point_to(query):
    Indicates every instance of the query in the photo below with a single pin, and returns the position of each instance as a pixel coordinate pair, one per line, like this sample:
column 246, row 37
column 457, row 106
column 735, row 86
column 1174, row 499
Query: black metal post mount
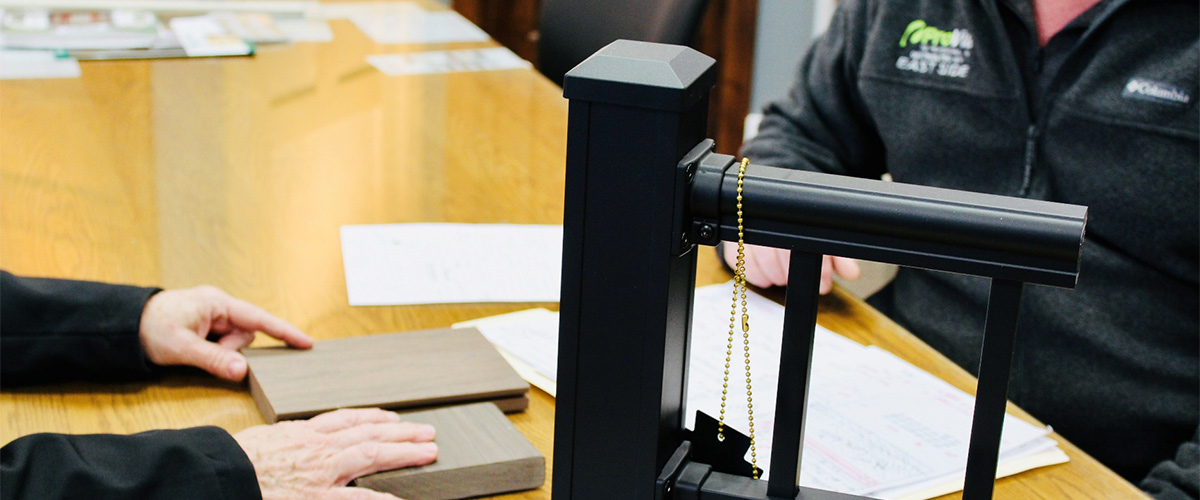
column 644, row 187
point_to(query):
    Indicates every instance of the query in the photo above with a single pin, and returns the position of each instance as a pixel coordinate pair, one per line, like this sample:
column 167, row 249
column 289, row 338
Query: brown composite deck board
column 424, row 368
column 479, row 453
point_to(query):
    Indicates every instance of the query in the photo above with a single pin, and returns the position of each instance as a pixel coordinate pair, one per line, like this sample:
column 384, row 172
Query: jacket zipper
column 1031, row 140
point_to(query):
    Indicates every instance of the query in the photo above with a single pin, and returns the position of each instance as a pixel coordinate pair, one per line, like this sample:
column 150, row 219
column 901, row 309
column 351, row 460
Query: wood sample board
column 418, row 369
column 479, row 453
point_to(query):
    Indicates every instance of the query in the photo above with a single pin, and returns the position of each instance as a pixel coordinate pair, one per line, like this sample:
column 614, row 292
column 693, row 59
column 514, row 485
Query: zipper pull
column 1031, row 139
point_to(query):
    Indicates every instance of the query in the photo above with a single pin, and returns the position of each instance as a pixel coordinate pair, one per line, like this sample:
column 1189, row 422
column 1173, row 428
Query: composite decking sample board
column 424, row 368
column 479, row 453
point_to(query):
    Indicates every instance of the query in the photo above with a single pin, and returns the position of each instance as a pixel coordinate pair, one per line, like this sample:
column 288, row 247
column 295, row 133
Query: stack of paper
column 96, row 29
column 133, row 34
column 876, row 425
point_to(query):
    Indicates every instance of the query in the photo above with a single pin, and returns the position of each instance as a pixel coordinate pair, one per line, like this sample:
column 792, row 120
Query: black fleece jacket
column 75, row 330
column 957, row 94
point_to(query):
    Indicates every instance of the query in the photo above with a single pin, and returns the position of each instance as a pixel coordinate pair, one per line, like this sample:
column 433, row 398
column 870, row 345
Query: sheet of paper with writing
column 396, row 370
column 877, row 425
column 479, row 453
column 528, row 333
column 399, row 264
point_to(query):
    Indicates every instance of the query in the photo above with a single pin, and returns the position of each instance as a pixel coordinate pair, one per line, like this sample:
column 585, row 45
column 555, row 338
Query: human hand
column 315, row 459
column 176, row 325
column 768, row 266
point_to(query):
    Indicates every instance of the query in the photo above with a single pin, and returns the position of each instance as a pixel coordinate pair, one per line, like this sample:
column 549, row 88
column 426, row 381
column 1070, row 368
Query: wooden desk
column 239, row 172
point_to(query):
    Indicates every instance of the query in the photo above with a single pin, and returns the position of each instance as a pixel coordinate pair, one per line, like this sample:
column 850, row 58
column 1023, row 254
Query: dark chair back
column 572, row 30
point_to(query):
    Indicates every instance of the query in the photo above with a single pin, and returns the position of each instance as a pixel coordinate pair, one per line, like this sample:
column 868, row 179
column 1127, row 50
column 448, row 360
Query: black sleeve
column 1177, row 479
column 199, row 463
column 53, row 330
column 823, row 123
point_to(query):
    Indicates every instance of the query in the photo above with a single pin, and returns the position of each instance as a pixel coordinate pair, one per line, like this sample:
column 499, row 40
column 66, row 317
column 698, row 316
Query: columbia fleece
column 952, row 94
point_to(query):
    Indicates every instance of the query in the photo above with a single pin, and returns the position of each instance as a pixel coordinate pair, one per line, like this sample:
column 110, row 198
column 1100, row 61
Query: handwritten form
column 404, row 264
column 877, row 426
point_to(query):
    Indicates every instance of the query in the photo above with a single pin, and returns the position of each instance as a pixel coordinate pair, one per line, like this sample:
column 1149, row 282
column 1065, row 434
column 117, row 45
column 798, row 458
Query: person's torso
column 1117, row 131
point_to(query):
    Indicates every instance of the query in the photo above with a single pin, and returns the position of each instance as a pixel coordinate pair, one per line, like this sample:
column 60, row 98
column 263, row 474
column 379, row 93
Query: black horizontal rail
column 1025, row 240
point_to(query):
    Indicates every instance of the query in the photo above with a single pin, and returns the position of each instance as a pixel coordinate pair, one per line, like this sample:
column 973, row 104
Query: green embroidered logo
column 933, row 51
column 920, row 33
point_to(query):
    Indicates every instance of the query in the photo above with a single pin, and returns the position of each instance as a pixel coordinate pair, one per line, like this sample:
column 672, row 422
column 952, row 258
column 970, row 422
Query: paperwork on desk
column 118, row 33
column 25, row 64
column 401, row 264
column 208, row 36
column 877, row 425
column 447, row 61
column 305, row 30
column 347, row 10
column 528, row 340
column 408, row 23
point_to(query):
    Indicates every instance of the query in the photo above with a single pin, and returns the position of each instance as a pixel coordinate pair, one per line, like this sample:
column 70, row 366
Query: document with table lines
column 877, row 425
column 403, row 264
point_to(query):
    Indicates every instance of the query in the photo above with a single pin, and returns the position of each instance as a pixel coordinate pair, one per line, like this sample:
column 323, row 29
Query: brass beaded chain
column 739, row 288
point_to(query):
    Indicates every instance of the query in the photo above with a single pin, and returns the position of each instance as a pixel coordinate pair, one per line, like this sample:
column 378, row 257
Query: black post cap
column 642, row 74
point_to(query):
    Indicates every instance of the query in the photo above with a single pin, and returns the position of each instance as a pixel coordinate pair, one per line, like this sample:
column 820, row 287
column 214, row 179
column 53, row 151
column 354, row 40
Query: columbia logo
column 1138, row 88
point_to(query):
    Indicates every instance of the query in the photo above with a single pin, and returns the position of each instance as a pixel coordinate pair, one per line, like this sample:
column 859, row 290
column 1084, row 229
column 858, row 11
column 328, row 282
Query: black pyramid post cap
column 642, row 74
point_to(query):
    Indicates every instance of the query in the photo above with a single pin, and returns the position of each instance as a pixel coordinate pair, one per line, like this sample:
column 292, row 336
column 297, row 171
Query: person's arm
column 52, row 330
column 821, row 125
column 300, row 460
column 200, row 463
column 1177, row 479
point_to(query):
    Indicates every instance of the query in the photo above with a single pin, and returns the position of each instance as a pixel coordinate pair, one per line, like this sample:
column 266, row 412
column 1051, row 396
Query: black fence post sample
column 636, row 108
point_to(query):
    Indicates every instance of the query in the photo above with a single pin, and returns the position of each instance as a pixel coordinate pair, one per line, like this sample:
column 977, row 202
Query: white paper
column 528, row 332
column 273, row 7
column 305, row 30
column 399, row 264
column 106, row 29
column 419, row 26
column 346, row 10
column 27, row 64
column 447, row 61
column 876, row 425
column 203, row 36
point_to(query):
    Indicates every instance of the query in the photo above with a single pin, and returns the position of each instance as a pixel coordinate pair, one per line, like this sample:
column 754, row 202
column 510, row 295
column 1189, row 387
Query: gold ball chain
column 739, row 288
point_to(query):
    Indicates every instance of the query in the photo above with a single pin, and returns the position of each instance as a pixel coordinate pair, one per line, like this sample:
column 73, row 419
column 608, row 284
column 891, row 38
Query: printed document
column 876, row 425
